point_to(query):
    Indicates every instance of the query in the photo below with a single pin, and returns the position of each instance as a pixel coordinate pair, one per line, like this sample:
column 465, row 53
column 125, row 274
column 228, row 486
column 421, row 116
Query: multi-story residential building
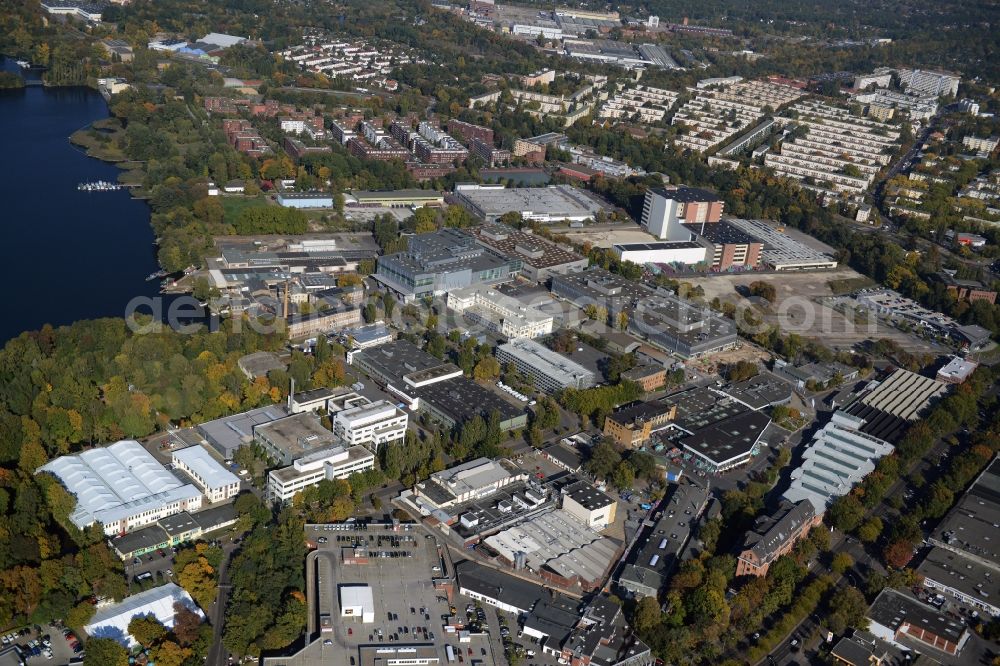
column 632, row 426
column 775, row 535
column 839, row 151
column 718, row 113
column 488, row 153
column 665, row 209
column 214, row 480
column 982, row 145
column 438, row 262
column 935, row 83
column 468, row 131
column 880, row 78
column 882, row 104
column 538, row 258
column 641, row 103
column 244, row 137
column 337, row 462
column 500, row 313
column 550, row 371
column 371, row 424
column 342, row 132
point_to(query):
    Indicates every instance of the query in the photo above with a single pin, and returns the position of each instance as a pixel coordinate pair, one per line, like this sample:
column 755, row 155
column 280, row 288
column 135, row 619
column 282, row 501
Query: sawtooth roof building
column 122, row 486
column 539, row 257
column 839, row 456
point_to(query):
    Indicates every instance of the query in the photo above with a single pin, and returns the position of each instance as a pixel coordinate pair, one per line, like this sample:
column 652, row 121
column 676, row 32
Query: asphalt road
column 217, row 654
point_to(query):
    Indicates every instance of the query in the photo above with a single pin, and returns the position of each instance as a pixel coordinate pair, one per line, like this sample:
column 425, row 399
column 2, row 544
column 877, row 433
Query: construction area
column 804, row 305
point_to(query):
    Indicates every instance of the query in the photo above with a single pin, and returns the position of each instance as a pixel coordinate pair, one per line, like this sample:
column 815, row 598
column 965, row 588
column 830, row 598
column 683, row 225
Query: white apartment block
column 835, row 142
column 215, row 481
column 500, row 313
column 714, row 116
column 916, row 106
column 649, row 104
column 880, row 78
column 355, row 60
column 934, row 83
column 292, row 125
column 373, row 425
column 980, row 144
column 334, row 463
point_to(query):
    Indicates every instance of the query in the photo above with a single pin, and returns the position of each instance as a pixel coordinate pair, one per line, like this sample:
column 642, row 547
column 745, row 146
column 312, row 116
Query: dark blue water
column 64, row 255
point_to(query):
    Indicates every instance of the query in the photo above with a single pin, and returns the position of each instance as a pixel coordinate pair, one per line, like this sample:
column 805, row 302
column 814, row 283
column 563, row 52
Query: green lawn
column 234, row 205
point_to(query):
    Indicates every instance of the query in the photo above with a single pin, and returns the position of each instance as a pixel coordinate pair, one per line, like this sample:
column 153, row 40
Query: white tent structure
column 112, row 621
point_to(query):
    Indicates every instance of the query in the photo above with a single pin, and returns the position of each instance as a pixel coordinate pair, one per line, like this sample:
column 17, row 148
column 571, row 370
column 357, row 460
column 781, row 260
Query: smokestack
column 284, row 310
column 291, row 392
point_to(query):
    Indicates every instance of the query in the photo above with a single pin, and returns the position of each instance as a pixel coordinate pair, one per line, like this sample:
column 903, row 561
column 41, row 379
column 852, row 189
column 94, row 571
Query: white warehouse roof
column 199, row 461
column 108, row 481
column 158, row 602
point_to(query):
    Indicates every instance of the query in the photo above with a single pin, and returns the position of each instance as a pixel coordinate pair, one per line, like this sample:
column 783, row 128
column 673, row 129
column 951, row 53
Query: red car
column 350, row 632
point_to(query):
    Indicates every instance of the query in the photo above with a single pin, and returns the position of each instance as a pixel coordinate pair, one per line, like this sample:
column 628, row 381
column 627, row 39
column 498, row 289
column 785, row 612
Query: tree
column 169, row 653
column 486, row 369
column 898, row 553
column 870, row 531
column 604, row 459
column 647, row 615
column 764, row 290
column 105, row 652
column 841, row 562
column 848, row 608
column 147, row 631
column 623, row 476
column 846, row 512
column 187, row 624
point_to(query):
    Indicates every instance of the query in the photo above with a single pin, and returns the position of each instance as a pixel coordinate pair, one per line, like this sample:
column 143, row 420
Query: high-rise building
column 665, row 209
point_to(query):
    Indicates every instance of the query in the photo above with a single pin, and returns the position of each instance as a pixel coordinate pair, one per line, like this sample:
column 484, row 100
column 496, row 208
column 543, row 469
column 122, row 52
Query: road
column 217, row 654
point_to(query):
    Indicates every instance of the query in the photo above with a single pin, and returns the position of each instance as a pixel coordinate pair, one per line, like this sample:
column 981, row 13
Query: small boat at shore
column 156, row 276
column 23, row 64
column 99, row 186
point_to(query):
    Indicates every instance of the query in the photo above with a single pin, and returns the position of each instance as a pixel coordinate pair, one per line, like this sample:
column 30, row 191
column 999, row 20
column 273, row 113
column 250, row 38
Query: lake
column 65, row 255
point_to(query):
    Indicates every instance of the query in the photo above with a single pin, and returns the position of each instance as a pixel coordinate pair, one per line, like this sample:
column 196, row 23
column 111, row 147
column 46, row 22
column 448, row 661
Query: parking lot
column 398, row 566
column 48, row 646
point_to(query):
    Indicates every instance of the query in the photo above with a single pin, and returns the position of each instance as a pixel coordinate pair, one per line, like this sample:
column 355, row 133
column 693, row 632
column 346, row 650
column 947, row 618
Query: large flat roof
column 297, row 435
column 529, row 248
column 893, row 608
column 199, row 461
column 554, row 202
column 730, row 439
column 462, row 399
column 495, row 584
column 549, row 363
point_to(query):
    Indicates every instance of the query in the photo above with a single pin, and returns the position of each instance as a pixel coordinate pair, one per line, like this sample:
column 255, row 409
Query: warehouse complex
column 122, row 487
